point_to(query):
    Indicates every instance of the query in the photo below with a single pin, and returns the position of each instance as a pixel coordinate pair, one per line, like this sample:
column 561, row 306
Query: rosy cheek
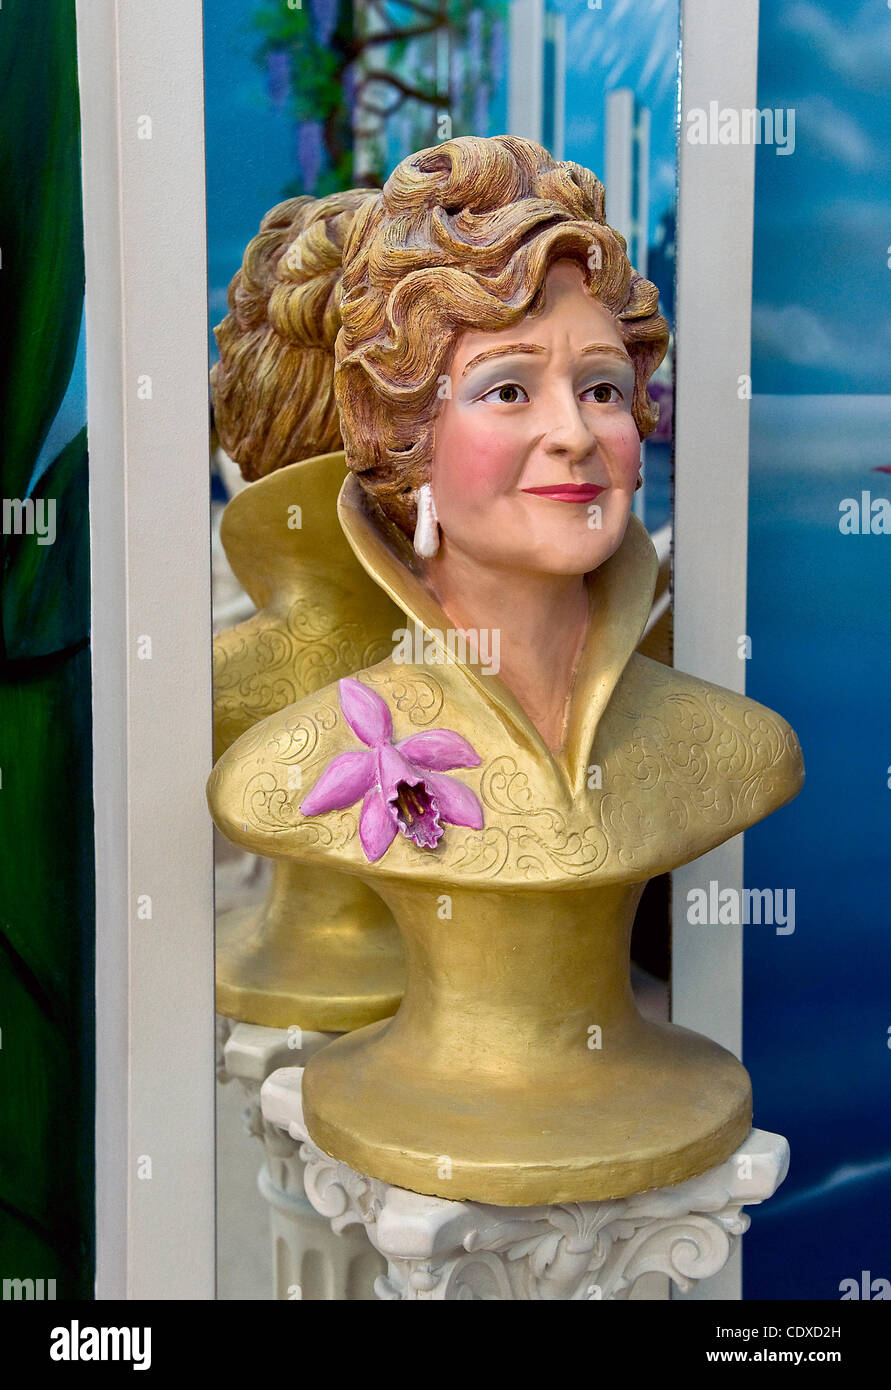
column 625, row 451
column 473, row 460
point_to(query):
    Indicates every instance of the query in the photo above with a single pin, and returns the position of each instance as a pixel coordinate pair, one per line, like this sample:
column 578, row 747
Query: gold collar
column 265, row 546
column 620, row 600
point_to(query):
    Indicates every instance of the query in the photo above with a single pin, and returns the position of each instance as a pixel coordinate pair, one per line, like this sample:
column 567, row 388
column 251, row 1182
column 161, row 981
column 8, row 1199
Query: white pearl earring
column 426, row 540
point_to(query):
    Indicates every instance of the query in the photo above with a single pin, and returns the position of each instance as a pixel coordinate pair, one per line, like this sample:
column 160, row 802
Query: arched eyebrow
column 592, row 349
column 606, row 350
column 506, row 351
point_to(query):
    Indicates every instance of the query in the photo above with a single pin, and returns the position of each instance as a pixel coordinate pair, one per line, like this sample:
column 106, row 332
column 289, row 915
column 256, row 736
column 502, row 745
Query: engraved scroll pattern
column 544, row 833
column 272, row 807
column 271, row 804
column 263, row 665
column 679, row 773
column 697, row 765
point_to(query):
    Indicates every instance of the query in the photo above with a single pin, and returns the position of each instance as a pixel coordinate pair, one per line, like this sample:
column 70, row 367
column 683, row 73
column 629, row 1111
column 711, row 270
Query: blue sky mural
column 627, row 43
column 822, row 231
column 816, row 1002
column 250, row 143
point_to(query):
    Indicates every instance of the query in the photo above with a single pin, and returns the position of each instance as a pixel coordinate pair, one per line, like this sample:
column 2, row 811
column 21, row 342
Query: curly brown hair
column 462, row 236
column 273, row 388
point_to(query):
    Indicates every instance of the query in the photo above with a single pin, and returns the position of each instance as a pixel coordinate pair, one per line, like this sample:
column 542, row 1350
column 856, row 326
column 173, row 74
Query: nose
column 569, row 435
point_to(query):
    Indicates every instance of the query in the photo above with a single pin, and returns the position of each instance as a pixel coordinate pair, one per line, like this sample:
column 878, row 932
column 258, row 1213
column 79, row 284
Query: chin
column 577, row 550
column 572, row 560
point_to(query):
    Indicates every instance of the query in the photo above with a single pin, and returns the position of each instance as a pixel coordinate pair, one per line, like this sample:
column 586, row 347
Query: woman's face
column 536, row 453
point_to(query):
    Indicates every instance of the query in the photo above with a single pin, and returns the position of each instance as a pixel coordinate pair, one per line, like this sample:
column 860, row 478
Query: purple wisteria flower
column 402, row 784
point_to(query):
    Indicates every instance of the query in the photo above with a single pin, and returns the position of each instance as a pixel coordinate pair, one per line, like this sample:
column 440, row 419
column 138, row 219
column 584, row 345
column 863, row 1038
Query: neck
column 541, row 620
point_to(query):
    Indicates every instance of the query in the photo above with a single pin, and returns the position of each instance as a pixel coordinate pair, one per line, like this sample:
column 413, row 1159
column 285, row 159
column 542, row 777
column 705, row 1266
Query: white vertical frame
column 642, row 219
column 557, row 27
column 144, row 210
column 626, row 157
column 716, row 191
column 525, row 89
column 618, row 157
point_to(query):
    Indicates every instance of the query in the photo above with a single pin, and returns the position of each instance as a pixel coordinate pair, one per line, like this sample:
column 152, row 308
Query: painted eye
column 603, row 393
column 509, row 394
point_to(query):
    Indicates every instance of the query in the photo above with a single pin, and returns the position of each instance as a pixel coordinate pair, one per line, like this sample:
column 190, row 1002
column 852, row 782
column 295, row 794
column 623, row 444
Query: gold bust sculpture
column 492, row 371
column 322, row 951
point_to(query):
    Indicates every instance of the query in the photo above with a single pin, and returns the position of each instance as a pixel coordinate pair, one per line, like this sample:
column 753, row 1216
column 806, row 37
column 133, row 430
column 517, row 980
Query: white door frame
column 142, row 105
column 713, row 297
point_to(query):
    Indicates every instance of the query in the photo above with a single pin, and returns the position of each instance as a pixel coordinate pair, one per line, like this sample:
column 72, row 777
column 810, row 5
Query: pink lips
column 568, row 492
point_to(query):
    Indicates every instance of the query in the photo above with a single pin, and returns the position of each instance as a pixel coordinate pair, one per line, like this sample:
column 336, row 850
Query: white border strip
column 719, row 62
column 525, row 81
column 96, row 62
column 149, row 500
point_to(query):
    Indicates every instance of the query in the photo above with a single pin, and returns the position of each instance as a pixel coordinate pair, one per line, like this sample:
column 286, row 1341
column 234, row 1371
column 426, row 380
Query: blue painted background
column 817, row 1006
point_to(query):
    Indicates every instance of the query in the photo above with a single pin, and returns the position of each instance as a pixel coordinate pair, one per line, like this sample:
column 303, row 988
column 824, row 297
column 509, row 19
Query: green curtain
column 46, row 813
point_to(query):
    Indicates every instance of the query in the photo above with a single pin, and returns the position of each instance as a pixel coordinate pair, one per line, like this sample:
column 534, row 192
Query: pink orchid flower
column 401, row 784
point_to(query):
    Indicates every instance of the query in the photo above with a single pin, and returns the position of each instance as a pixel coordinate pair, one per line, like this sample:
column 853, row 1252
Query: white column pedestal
column 311, row 1259
column 577, row 1251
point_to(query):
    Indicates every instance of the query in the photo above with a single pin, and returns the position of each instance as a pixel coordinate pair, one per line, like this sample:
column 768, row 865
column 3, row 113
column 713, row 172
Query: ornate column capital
column 576, row 1251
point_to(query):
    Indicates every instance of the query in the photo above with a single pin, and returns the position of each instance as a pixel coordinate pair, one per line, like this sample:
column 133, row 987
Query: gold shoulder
column 254, row 674
column 311, row 637
column 256, row 788
column 728, row 760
